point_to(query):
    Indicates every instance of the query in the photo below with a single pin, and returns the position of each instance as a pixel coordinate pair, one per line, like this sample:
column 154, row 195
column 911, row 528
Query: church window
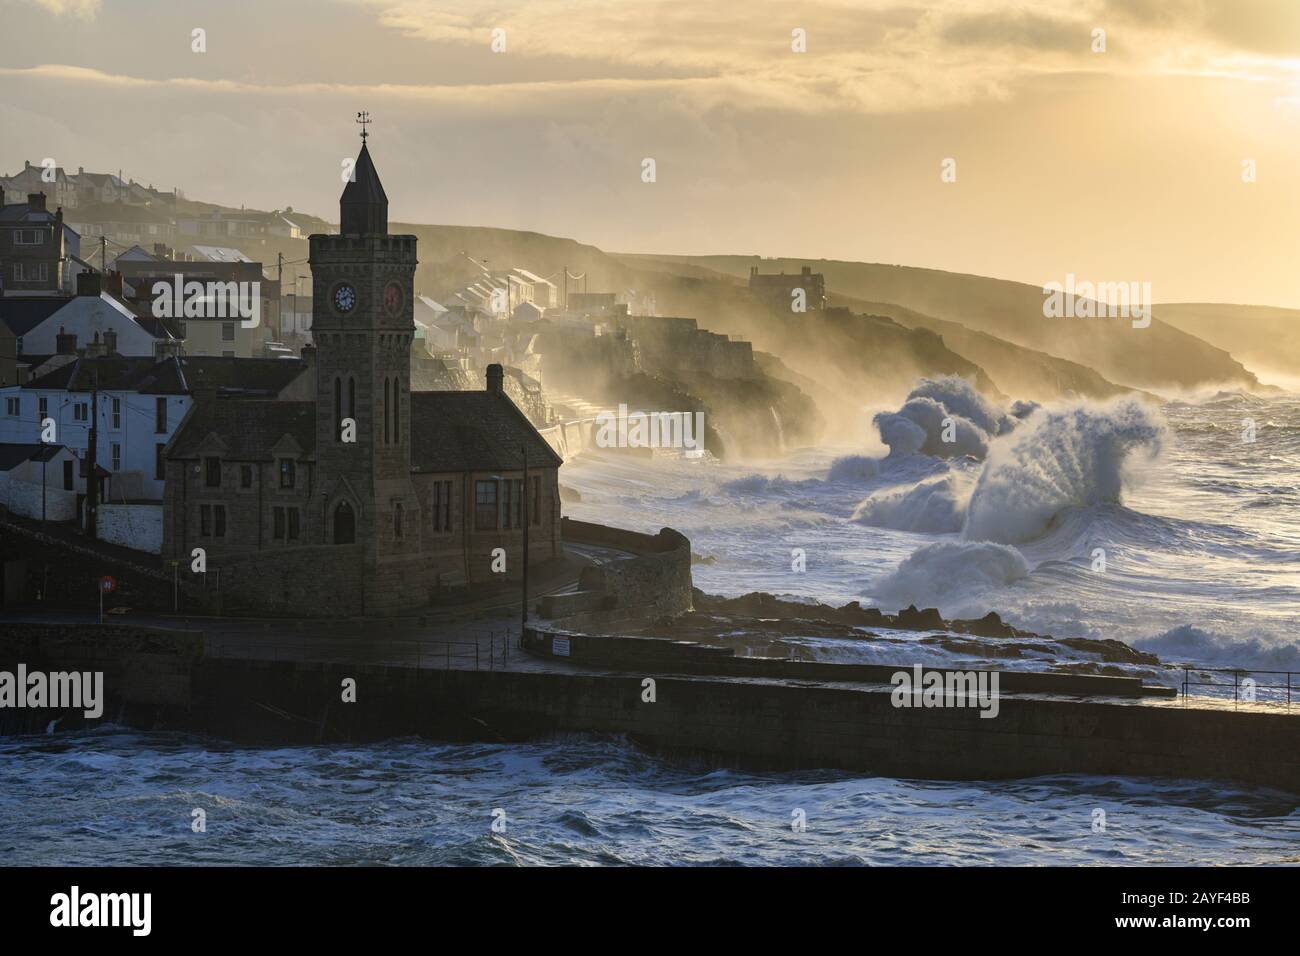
column 345, row 524
column 485, row 505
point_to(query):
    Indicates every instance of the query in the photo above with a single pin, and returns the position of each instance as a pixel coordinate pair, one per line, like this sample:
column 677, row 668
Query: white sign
column 560, row 646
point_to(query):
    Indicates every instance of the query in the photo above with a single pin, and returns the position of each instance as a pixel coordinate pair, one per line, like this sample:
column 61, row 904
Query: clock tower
column 362, row 327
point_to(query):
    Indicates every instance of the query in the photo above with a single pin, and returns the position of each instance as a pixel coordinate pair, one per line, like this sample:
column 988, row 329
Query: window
column 535, row 515
column 397, row 521
column 42, row 408
column 29, row 237
column 519, row 502
column 338, row 410
column 13, row 407
column 397, row 413
column 485, row 505
column 117, row 457
column 205, row 521
column 387, row 427
column 160, row 415
column 80, row 412
column 345, row 524
column 278, row 524
column 245, row 476
column 67, row 476
column 31, row 271
column 440, row 505
column 159, row 462
column 294, row 526
column 288, row 473
column 219, row 514
column 506, row 487
column 227, row 331
column 117, row 414
column 212, row 472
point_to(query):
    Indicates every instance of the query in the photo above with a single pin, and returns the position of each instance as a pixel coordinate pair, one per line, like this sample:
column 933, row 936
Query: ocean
column 1199, row 542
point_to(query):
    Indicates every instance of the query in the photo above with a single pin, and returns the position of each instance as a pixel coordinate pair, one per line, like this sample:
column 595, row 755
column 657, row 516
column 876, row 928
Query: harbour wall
column 723, row 721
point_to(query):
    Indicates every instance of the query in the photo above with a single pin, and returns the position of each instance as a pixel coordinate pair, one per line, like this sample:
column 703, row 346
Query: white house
column 39, row 481
column 141, row 401
column 88, row 317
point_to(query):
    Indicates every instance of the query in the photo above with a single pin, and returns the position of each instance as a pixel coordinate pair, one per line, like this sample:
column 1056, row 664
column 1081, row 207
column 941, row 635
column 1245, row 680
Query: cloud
column 85, row 9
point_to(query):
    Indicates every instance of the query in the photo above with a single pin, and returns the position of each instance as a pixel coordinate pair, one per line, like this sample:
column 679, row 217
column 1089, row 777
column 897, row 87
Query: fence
column 490, row 652
column 1247, row 690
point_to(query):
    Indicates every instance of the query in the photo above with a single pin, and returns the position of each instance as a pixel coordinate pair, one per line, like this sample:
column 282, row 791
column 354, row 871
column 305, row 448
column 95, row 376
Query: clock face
column 345, row 298
column 393, row 298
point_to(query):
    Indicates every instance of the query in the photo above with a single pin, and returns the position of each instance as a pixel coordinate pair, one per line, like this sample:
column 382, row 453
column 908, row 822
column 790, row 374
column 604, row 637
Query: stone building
column 777, row 291
column 371, row 498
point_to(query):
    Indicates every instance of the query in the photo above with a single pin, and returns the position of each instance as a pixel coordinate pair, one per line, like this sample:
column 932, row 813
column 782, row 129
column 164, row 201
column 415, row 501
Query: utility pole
column 103, row 254
column 523, row 625
column 279, row 285
column 92, row 479
column 566, row 288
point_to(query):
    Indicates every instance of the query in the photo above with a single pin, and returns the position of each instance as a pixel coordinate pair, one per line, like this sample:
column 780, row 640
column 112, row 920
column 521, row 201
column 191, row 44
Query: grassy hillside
column 1265, row 339
column 1161, row 356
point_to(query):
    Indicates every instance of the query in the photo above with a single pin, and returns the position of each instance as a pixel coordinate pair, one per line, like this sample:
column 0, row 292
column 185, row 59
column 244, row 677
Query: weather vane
column 364, row 119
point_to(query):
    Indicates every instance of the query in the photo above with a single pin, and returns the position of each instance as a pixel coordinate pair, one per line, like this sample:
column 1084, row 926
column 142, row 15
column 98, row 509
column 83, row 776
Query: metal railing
column 1243, row 692
column 418, row 653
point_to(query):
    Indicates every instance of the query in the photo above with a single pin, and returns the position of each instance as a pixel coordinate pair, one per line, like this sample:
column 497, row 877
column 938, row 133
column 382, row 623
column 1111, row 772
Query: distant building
column 37, row 248
column 92, row 316
column 53, row 181
column 778, row 291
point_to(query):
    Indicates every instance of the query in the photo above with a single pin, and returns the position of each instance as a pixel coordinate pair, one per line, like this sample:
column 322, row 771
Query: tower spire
column 363, row 207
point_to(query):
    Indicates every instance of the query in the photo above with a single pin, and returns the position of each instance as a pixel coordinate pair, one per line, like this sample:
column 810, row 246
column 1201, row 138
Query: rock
column 927, row 620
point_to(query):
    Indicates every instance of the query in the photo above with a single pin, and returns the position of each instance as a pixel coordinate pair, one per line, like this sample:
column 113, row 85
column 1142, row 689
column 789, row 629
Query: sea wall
column 155, row 680
column 653, row 580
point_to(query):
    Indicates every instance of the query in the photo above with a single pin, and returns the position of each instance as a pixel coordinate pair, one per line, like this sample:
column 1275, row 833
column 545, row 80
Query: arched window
column 345, row 524
column 397, row 412
column 386, row 413
column 338, row 409
column 397, row 520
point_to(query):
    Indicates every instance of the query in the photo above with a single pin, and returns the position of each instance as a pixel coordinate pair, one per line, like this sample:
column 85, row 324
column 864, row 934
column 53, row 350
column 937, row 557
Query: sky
column 1115, row 156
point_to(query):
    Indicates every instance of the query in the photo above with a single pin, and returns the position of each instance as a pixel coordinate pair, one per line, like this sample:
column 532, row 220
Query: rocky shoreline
column 767, row 619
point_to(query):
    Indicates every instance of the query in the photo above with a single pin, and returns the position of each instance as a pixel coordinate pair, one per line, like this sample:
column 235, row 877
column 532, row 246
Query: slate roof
column 249, row 429
column 174, row 376
column 473, row 431
column 13, row 455
column 246, row 376
column 24, row 313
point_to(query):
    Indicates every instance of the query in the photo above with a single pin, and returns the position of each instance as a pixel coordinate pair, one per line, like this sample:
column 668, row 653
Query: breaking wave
column 943, row 573
column 1076, row 456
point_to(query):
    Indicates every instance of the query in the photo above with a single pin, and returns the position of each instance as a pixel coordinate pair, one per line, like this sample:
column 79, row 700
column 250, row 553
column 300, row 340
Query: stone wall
column 138, row 526
column 314, row 581
column 24, row 498
column 654, row 581
column 753, row 723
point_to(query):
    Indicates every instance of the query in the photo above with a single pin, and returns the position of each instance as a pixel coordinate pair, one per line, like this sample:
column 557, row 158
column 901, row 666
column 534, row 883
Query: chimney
column 110, row 342
column 89, row 284
column 66, row 342
column 496, row 379
column 112, row 284
column 95, row 349
column 36, row 202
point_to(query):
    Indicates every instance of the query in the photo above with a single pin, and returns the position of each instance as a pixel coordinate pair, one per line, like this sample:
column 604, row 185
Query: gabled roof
column 115, row 373
column 473, row 431
column 248, row 429
column 24, row 313
column 13, row 455
column 246, row 376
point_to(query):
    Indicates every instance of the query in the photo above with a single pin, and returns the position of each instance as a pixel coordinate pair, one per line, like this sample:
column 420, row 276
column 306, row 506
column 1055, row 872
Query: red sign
column 107, row 583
